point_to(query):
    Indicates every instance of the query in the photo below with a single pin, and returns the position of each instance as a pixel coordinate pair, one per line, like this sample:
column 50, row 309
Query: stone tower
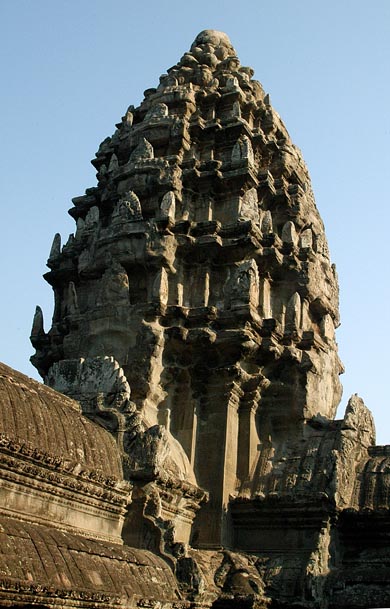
column 199, row 280
column 199, row 263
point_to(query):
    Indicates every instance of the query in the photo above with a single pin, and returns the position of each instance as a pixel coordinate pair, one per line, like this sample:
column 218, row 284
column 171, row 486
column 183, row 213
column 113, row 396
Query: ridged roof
column 33, row 413
column 41, row 561
column 372, row 487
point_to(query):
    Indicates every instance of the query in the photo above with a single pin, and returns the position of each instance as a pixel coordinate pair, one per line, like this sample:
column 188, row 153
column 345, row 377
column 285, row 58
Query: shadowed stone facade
column 195, row 315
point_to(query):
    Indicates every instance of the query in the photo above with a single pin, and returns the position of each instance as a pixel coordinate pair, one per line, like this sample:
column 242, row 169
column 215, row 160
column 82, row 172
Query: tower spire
column 193, row 270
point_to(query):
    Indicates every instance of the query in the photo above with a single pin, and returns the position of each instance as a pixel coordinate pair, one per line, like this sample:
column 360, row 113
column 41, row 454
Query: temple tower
column 200, row 267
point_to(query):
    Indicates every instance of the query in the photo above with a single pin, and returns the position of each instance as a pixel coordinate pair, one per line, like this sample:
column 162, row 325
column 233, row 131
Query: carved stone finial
column 128, row 208
column 168, row 206
column 157, row 111
column 70, row 241
column 37, row 325
column 56, row 247
column 356, row 436
column 243, row 151
column 293, row 313
column 327, row 327
column 289, row 233
column 306, row 239
column 80, row 227
column 218, row 40
column 322, row 247
column 72, row 299
column 114, row 163
column 160, row 287
column 129, row 117
column 143, row 151
column 243, row 286
column 249, row 208
column 267, row 223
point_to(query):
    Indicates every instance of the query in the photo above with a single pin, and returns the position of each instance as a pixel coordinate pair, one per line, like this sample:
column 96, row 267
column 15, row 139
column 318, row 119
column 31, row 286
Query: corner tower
column 199, row 264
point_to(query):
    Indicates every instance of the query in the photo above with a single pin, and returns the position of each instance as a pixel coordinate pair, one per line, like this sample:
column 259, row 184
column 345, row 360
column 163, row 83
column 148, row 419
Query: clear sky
column 70, row 68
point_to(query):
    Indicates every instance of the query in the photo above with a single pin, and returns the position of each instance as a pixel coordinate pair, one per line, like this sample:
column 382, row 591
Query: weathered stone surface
column 195, row 318
column 30, row 414
column 46, row 567
column 180, row 296
column 57, row 466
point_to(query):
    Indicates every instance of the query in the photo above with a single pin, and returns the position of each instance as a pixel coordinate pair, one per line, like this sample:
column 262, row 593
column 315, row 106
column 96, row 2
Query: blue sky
column 69, row 70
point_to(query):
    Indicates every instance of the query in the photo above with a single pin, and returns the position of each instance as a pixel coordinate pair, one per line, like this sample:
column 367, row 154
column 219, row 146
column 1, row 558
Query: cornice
column 24, row 459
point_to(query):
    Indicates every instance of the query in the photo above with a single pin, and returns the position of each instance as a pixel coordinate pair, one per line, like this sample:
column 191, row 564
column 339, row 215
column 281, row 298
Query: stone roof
column 34, row 414
column 372, row 486
column 43, row 563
